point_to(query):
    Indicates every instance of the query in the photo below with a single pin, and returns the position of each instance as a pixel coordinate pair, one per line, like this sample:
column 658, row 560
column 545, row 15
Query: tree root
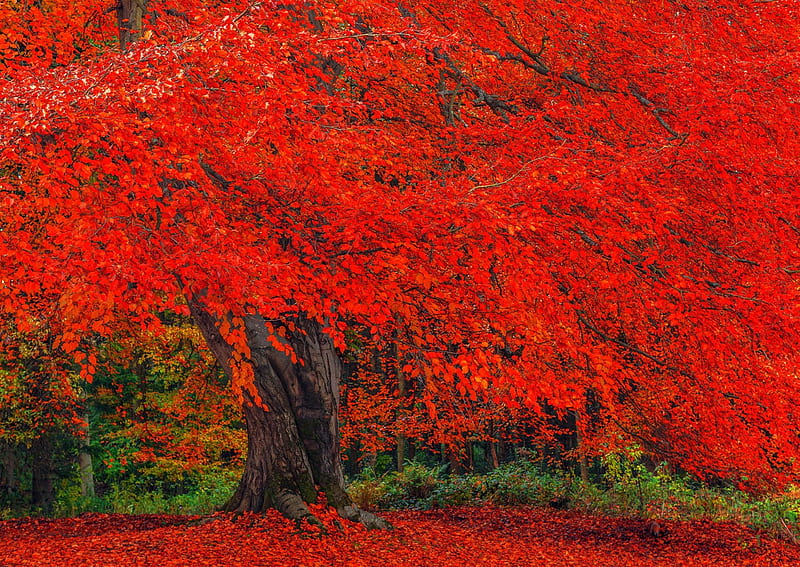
column 368, row 519
column 202, row 521
column 293, row 507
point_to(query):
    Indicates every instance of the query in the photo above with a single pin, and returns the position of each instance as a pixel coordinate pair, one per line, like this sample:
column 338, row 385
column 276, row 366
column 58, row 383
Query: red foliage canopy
column 545, row 201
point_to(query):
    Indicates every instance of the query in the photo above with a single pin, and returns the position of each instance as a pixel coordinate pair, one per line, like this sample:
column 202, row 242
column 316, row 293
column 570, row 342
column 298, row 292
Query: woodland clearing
column 458, row 536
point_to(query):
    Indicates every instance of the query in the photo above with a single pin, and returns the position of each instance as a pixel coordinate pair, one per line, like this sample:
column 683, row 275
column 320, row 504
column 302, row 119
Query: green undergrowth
column 208, row 494
column 623, row 489
column 197, row 495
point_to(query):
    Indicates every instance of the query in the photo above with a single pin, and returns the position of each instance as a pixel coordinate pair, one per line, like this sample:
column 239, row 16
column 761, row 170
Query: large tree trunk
column 293, row 431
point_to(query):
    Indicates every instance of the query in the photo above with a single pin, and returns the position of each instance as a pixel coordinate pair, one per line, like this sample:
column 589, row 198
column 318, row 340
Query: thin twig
column 582, row 318
column 518, row 172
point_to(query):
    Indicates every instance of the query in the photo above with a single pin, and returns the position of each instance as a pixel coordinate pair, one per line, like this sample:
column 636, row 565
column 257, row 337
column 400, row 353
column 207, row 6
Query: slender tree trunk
column 130, row 14
column 454, row 459
column 292, row 424
column 493, row 461
column 42, row 490
column 402, row 389
column 493, row 446
column 85, row 468
column 583, row 462
column 8, row 478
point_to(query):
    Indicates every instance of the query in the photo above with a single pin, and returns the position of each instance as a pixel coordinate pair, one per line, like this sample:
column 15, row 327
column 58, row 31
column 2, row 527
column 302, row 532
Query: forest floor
column 485, row 536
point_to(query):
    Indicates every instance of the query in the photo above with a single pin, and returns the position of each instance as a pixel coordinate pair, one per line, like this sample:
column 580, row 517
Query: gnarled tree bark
column 293, row 431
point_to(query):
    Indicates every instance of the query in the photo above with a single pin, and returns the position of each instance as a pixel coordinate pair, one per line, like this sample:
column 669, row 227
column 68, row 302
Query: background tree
column 42, row 414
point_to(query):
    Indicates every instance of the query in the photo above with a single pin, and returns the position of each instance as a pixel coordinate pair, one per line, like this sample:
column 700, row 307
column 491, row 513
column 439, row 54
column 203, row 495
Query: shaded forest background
column 161, row 432
column 159, row 418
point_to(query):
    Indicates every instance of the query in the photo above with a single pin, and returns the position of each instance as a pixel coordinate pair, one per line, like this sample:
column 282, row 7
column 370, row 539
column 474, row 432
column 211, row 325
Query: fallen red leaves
column 464, row 536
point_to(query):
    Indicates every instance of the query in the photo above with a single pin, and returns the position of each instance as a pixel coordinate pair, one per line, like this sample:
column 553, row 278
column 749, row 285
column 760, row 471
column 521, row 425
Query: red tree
column 542, row 202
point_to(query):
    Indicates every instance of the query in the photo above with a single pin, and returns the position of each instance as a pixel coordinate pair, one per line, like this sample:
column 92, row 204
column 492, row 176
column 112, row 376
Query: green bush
column 204, row 495
column 208, row 493
column 524, row 483
column 627, row 488
column 367, row 492
column 420, row 486
column 456, row 491
column 70, row 502
column 412, row 487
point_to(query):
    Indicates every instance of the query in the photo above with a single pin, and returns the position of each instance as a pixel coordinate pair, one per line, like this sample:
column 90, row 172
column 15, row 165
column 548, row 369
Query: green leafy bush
column 420, row 486
column 410, row 488
column 524, row 483
column 203, row 495
column 626, row 488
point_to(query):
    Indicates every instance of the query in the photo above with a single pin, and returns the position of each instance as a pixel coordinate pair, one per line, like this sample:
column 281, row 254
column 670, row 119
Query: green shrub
column 204, row 495
column 416, row 482
column 524, row 483
column 367, row 492
column 70, row 502
column 456, row 491
column 412, row 487
column 420, row 486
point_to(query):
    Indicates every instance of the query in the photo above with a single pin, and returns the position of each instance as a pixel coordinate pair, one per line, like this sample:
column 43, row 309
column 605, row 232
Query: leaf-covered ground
column 464, row 536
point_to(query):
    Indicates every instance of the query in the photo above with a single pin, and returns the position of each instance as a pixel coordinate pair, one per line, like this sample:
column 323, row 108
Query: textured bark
column 583, row 461
column 402, row 387
column 495, row 446
column 494, row 460
column 130, row 14
column 453, row 458
column 293, row 430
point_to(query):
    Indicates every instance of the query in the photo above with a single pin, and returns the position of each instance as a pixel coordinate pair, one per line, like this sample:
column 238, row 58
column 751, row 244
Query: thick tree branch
column 497, row 105
column 657, row 112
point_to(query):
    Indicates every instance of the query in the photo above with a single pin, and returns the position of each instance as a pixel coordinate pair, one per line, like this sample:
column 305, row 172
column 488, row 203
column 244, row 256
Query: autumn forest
column 337, row 282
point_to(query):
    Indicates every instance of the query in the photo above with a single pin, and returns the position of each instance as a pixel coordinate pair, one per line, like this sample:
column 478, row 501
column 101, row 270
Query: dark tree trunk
column 454, row 459
column 42, row 491
column 497, row 448
column 293, row 430
column 130, row 14
column 8, row 469
column 583, row 461
column 402, row 390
